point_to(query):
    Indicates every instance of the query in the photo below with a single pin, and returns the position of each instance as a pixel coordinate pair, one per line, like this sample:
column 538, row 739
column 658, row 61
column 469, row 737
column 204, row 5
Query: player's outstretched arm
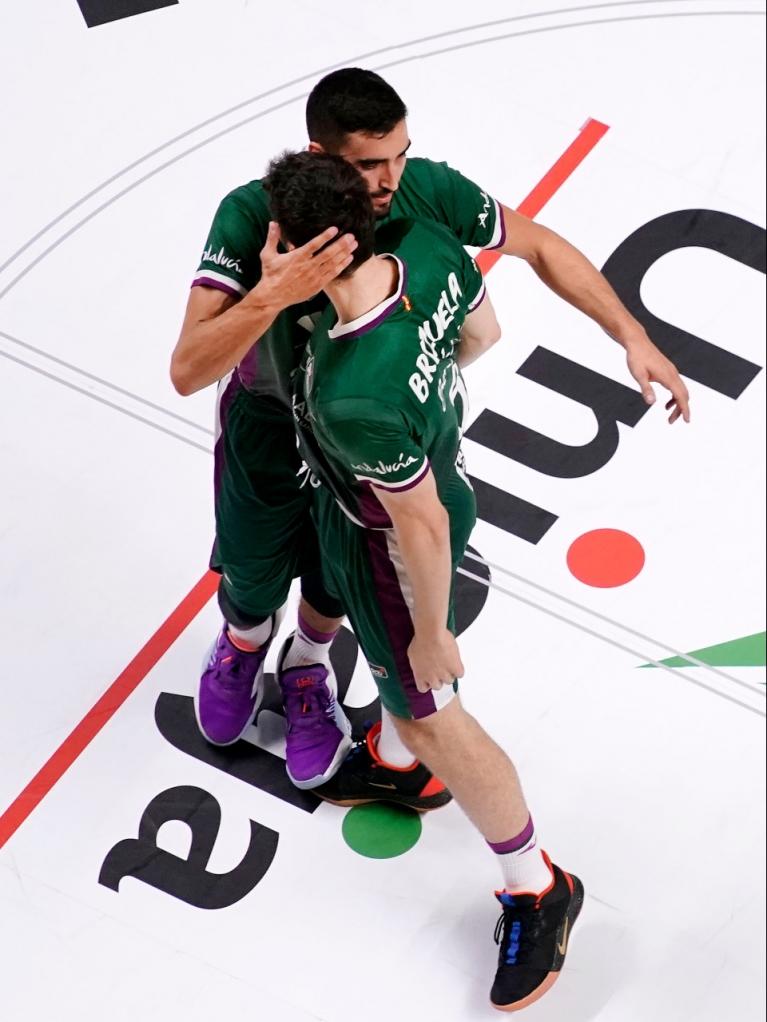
column 218, row 330
column 570, row 275
column 479, row 332
column 422, row 529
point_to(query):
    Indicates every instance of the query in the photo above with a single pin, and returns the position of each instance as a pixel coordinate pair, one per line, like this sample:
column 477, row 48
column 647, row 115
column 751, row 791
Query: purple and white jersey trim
column 478, row 298
column 498, row 239
column 209, row 278
column 371, row 319
column 400, row 484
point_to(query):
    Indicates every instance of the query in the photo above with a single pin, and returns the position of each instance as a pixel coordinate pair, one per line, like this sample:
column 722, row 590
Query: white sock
column 522, row 863
column 390, row 747
column 251, row 638
column 309, row 646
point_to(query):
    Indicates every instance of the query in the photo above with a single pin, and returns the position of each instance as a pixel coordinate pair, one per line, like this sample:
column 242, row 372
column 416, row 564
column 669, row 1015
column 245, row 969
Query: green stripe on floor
column 746, row 652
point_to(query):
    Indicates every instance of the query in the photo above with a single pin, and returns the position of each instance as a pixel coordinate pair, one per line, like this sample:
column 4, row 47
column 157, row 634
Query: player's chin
column 382, row 209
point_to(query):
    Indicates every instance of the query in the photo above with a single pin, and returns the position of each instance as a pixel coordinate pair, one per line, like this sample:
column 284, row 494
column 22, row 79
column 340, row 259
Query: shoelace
column 228, row 670
column 312, row 710
column 517, row 931
column 360, row 745
column 355, row 750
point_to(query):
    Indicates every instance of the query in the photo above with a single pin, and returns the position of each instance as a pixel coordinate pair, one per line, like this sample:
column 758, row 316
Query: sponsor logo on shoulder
column 382, row 469
column 220, row 258
column 377, row 671
column 482, row 218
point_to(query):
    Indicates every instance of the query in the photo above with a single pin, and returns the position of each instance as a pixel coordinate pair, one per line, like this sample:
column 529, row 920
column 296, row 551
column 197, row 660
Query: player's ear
column 314, row 147
column 280, row 237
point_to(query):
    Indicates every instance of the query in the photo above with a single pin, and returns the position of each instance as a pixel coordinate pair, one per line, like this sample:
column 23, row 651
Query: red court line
column 159, row 644
column 591, row 132
column 107, row 706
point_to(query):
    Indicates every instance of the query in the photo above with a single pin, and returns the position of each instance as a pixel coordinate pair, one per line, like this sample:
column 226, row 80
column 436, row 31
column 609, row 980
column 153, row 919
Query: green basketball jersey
column 381, row 400
column 231, row 260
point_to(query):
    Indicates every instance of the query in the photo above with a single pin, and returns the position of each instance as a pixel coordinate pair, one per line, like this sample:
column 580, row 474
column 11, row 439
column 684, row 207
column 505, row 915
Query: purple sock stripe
column 514, row 845
column 312, row 634
column 397, row 621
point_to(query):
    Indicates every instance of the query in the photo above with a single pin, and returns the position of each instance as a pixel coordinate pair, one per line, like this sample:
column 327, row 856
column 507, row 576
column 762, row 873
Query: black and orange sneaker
column 533, row 933
column 364, row 777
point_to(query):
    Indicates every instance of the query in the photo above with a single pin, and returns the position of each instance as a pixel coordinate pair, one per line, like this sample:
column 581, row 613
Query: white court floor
column 118, row 140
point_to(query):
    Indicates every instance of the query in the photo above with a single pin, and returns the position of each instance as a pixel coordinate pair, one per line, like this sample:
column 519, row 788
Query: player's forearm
column 207, row 350
column 569, row 274
column 424, row 542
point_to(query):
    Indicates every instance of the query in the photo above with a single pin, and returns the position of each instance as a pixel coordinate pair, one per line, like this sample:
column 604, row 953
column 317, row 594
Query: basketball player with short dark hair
column 379, row 406
column 246, row 326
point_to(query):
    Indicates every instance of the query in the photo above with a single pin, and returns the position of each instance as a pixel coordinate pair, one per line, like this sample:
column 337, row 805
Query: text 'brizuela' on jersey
column 231, row 259
column 379, row 401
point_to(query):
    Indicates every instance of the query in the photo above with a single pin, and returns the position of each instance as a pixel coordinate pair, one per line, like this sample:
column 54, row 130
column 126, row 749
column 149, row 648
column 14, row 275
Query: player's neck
column 371, row 284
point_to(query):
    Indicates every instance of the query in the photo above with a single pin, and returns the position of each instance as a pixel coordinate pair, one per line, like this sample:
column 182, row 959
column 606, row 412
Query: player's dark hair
column 309, row 192
column 350, row 100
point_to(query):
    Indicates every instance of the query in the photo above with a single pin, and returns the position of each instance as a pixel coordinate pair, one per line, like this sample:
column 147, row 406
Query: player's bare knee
column 425, row 734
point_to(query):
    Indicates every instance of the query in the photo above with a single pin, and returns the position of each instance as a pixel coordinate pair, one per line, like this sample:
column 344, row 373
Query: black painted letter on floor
column 100, row 12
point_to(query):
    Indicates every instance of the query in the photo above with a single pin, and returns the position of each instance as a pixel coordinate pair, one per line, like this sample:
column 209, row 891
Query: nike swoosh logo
column 389, row 787
column 562, row 948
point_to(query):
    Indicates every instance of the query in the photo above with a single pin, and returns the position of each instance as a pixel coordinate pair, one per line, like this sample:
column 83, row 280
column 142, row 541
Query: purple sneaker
column 230, row 690
column 318, row 731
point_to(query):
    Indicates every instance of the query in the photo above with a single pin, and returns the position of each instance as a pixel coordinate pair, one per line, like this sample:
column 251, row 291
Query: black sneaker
column 533, row 933
column 364, row 777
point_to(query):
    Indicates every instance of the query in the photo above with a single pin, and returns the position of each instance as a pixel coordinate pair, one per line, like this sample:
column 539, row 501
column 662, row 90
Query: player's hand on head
column 648, row 365
column 295, row 276
column 435, row 660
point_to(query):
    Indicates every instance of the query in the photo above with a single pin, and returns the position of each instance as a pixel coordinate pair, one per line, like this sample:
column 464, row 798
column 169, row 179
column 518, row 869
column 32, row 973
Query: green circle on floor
column 381, row 831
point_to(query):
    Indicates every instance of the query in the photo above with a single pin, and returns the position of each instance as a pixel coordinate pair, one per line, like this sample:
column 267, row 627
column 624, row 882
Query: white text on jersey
column 427, row 362
column 221, row 259
column 482, row 218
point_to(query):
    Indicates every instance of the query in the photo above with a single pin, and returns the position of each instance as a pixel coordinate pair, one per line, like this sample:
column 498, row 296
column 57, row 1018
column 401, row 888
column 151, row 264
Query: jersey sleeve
column 472, row 282
column 373, row 442
column 231, row 260
column 474, row 216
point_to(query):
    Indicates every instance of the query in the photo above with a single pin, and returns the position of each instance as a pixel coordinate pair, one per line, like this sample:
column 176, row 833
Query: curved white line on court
column 398, row 62
column 477, row 578
column 312, row 76
column 676, row 671
column 294, row 99
column 98, row 380
column 105, row 401
column 617, row 624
